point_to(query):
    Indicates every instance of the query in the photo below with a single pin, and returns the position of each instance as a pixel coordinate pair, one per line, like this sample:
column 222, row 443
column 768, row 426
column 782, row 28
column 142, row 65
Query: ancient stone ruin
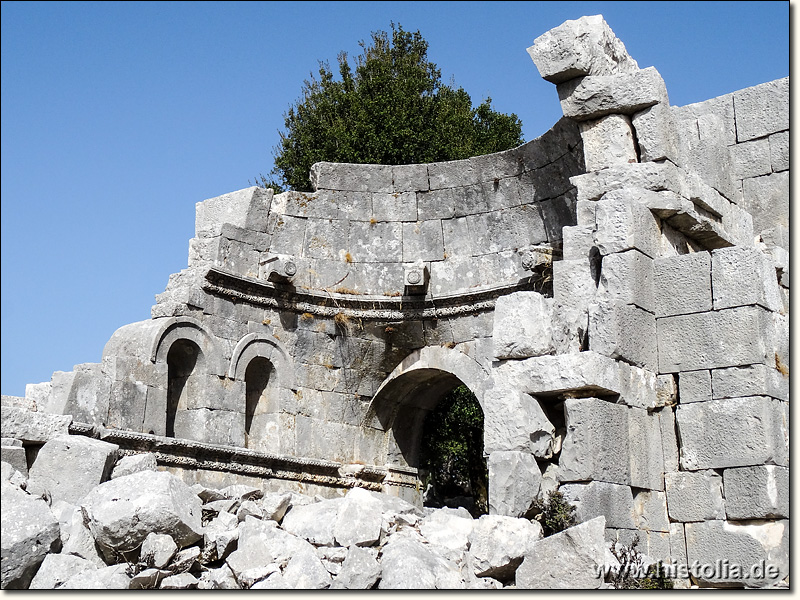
column 615, row 293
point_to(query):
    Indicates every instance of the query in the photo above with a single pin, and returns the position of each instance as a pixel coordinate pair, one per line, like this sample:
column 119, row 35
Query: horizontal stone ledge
column 368, row 307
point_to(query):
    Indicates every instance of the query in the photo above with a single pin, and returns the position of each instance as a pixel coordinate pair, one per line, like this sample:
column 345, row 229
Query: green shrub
column 555, row 514
column 628, row 576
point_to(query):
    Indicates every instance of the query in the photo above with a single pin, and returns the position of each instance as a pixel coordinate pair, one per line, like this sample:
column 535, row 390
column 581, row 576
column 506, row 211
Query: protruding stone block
column 522, row 325
column 655, row 133
column 607, row 141
column 596, row 498
column 623, row 331
column 731, row 433
column 753, row 380
column 584, row 46
column 624, row 223
column 743, row 275
column 625, row 94
column 694, row 496
column 247, row 208
column 683, row 284
column 762, row 109
column 759, row 492
column 695, row 386
column 514, row 481
column 515, row 421
column 33, row 426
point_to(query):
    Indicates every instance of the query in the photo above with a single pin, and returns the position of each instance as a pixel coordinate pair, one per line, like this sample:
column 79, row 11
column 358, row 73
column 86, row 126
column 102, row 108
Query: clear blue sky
column 118, row 117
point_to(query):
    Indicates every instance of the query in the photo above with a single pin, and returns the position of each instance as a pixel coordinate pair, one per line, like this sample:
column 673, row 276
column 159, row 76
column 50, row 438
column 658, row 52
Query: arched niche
column 264, row 346
column 184, row 360
column 187, row 328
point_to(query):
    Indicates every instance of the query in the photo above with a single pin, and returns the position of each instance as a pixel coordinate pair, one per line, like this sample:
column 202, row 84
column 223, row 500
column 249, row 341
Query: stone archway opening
column 260, row 386
column 182, row 361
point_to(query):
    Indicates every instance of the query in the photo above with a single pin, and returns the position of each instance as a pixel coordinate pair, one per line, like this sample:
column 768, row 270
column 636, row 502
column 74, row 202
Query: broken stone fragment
column 157, row 550
column 360, row 570
column 133, row 464
column 498, row 545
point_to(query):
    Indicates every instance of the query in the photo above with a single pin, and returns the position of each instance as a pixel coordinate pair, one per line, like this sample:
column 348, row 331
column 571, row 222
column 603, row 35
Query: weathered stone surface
column 114, row 577
column 762, row 109
column 134, row 463
column 573, row 290
column 410, row 178
column 515, row 421
column 584, row 46
column 408, row 564
column 571, row 559
column 743, row 545
column 76, row 537
column 623, row 331
column 181, row 581
column 274, row 506
column 314, row 522
column 742, row 276
column 30, row 531
column 695, row 386
column 305, row 571
column 757, row 492
column 245, row 208
column 767, row 199
column 157, row 550
column 694, row 496
column 14, row 455
column 778, row 151
column 650, row 508
column 122, row 512
column 58, row 568
column 32, row 426
column 753, row 380
column 218, row 579
column 147, row 579
column 712, row 340
column 514, row 481
column 497, row 545
column 593, row 97
column 358, row 519
column 351, row 177
column 646, row 449
column 683, row 284
column 522, row 325
column 448, row 528
column 70, row 466
column 608, row 141
column 731, row 433
column 360, row 570
column 750, row 159
column 597, row 498
column 628, row 278
column 624, row 223
column 655, row 133
column 262, row 543
column 596, row 445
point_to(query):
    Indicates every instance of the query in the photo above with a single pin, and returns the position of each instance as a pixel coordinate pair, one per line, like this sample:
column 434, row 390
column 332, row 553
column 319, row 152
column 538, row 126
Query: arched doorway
column 260, row 400
column 182, row 361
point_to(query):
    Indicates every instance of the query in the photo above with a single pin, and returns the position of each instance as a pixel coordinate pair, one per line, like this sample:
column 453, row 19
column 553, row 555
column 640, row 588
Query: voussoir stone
column 122, row 512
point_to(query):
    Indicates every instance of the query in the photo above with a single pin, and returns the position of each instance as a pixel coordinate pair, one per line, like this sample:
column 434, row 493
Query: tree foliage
column 389, row 107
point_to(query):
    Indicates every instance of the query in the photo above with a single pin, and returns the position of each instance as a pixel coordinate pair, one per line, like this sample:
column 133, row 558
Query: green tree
column 390, row 107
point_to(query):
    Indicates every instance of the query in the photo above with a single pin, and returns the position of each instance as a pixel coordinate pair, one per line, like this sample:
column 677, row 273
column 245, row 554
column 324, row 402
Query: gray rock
column 650, row 508
column 571, row 559
column 694, row 496
column 752, row 380
column 522, row 325
column 332, row 558
column 695, row 386
column 249, row 508
column 77, row 538
column 646, row 449
column 628, row 277
column 497, row 545
column 314, row 522
column 778, row 151
column 58, row 568
column 762, row 109
column 514, row 482
column 448, row 528
column 742, row 276
column 584, row 46
column 758, row 492
column 157, row 550
column 262, row 543
column 181, row 581
column 596, row 498
column 247, row 579
column 305, row 571
column 624, row 223
column 148, row 579
column 115, row 577
column 30, row 531
column 684, row 284
column 360, row 570
column 409, row 564
column 69, row 466
column 185, row 559
column 133, row 464
column 15, row 457
column 623, row 331
column 593, row 97
column 274, row 506
column 218, row 579
column 515, row 421
column 607, row 142
column 122, row 512
column 32, row 426
column 655, row 133
column 358, row 519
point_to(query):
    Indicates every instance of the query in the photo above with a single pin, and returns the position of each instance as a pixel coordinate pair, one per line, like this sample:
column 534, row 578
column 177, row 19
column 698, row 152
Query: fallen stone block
column 262, row 543
column 314, row 522
column 760, row 492
column 754, row 555
column 57, row 569
column 30, row 532
column 358, row 519
column 360, row 570
column 597, row 498
column 684, row 284
column 497, row 545
column 32, row 426
column 584, row 46
column 77, row 539
column 181, row 581
column 148, row 579
column 70, row 466
column 522, row 325
column 122, row 512
column 742, row 276
column 571, row 559
column 515, row 421
column 157, row 550
column 305, row 571
column 115, row 577
column 409, row 564
column 595, row 96
column 449, row 529
column 274, row 506
column 134, row 463
column 694, row 496
column 218, row 579
column 514, row 481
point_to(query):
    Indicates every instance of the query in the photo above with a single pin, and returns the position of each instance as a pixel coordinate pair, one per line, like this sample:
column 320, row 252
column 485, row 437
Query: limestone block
column 58, row 568
column 595, row 96
column 646, row 449
column 211, row 426
column 407, row 563
column 767, row 199
column 436, row 204
column 181, row 581
column 578, row 241
column 628, row 277
column 596, row 445
column 14, row 454
column 596, row 498
column 677, row 543
column 683, row 284
column 256, row 239
column 731, row 433
column 607, row 141
column 695, row 386
column 397, row 206
column 522, row 325
column 751, row 159
column 655, row 133
column 712, row 340
column 666, row 390
column 502, row 193
column 247, row 208
column 32, row 426
column 779, row 151
column 133, row 464
column 30, row 532
column 358, row 519
column 498, row 544
column 514, row 481
column 623, row 223
column 327, row 239
column 760, row 492
column 114, row 577
column 753, row 380
column 314, row 522
column 378, row 242
column 360, row 570
column 584, row 46
column 694, row 496
column 515, row 421
column 742, row 276
column 650, row 509
column 571, row 559
column 704, row 153
column 762, row 109
column 409, row 178
column 448, row 530
column 288, row 234
column 157, row 550
column 623, row 331
column 573, row 290
column 451, row 174
column 743, row 545
column 37, row 394
column 239, row 258
column 351, row 177
column 423, row 240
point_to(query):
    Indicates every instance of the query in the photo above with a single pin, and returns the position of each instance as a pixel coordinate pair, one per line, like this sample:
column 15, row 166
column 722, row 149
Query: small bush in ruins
column 555, row 514
column 632, row 575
